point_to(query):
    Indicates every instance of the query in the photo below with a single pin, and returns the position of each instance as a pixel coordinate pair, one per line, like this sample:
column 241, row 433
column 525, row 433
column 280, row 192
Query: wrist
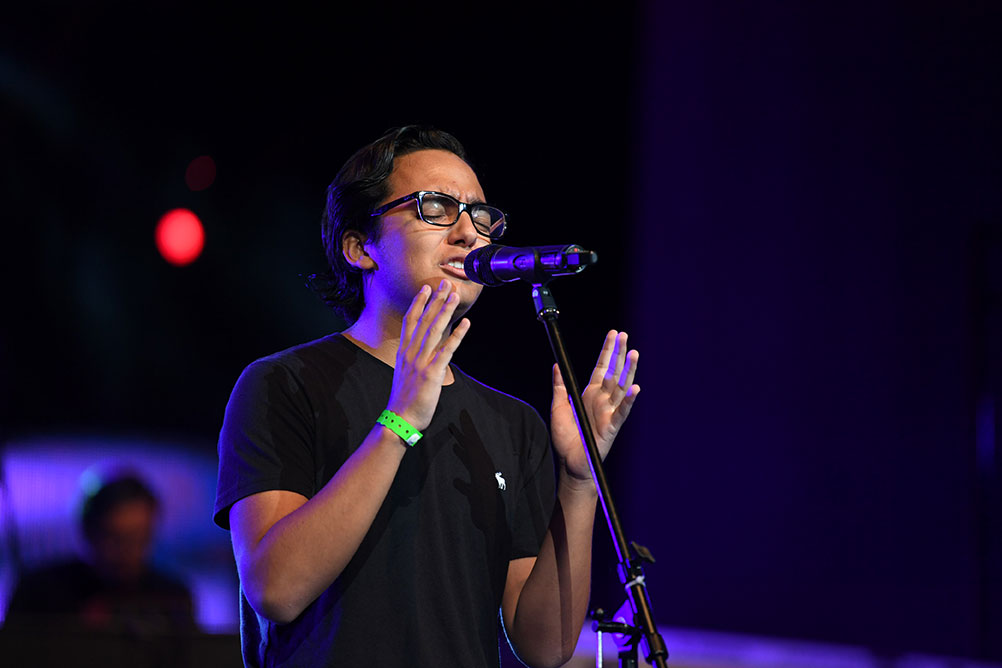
column 399, row 426
column 407, row 411
column 569, row 484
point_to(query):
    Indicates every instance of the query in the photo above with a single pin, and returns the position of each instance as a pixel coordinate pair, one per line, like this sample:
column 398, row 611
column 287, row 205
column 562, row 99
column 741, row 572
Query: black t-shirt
column 425, row 585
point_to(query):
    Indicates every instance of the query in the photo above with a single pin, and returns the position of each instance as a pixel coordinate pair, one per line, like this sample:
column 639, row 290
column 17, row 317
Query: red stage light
column 201, row 173
column 180, row 237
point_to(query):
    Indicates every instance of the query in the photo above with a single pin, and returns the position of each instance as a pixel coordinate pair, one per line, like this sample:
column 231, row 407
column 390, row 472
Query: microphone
column 493, row 265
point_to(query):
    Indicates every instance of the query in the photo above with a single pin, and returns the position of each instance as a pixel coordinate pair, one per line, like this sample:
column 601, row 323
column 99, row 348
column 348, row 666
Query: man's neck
column 379, row 335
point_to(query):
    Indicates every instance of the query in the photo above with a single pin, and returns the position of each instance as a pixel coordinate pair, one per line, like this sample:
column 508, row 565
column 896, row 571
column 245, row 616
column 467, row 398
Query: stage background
column 796, row 209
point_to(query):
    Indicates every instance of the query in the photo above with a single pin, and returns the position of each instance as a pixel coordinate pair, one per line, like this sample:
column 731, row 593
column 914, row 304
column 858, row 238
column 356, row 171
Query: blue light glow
column 45, row 477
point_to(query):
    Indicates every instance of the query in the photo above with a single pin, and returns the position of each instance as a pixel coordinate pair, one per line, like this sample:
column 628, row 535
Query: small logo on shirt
column 500, row 479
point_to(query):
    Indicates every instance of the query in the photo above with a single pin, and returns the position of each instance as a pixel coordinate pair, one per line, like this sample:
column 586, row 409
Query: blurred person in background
column 114, row 587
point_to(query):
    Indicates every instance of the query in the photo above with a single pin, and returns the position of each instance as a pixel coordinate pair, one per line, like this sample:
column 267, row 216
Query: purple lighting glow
column 44, row 478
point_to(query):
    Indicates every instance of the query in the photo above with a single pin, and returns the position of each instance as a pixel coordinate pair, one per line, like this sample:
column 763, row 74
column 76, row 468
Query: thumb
column 559, row 389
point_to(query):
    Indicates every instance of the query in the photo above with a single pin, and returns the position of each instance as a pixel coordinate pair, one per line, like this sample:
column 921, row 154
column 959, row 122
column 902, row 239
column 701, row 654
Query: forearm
column 302, row 553
column 554, row 601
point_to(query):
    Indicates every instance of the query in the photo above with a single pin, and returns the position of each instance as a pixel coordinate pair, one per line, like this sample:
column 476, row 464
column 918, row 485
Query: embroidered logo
column 501, row 483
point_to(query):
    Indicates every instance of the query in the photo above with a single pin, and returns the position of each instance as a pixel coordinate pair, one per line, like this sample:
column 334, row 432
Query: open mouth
column 454, row 267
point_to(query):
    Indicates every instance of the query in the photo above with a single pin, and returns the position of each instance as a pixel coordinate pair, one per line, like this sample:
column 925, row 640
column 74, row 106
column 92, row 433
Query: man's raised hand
column 424, row 354
column 607, row 399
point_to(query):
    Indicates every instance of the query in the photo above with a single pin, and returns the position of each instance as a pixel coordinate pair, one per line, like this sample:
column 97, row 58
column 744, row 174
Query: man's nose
column 464, row 231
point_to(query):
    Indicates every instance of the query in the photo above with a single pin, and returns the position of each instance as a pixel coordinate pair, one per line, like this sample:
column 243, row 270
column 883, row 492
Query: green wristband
column 399, row 426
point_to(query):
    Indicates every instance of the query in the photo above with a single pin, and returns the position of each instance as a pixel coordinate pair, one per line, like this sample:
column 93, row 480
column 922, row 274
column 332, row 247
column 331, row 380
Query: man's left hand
column 607, row 400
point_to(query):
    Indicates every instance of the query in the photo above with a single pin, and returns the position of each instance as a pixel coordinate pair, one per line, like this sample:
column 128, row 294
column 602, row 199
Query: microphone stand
column 631, row 572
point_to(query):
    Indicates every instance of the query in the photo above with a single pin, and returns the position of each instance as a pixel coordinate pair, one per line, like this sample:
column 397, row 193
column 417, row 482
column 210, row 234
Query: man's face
column 410, row 252
column 124, row 540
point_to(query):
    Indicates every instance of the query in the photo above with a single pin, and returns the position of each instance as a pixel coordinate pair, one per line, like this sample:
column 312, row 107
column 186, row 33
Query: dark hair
column 361, row 184
column 110, row 495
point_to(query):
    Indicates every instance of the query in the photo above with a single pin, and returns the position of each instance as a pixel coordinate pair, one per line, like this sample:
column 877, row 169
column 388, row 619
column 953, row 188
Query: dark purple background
column 818, row 201
column 796, row 208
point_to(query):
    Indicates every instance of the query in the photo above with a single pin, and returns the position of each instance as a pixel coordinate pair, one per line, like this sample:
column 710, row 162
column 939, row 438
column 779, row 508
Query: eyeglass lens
column 442, row 210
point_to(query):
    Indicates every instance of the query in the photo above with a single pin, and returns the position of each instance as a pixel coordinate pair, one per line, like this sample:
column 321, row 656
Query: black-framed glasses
column 437, row 208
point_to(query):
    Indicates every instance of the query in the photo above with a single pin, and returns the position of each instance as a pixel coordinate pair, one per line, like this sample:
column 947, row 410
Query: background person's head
column 119, row 519
column 361, row 184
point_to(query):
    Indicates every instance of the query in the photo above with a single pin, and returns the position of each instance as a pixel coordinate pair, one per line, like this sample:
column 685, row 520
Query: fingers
column 623, row 381
column 615, row 368
column 625, row 406
column 559, row 389
column 449, row 346
column 558, row 379
column 602, row 365
column 426, row 319
column 413, row 315
column 426, row 348
column 431, row 310
column 446, row 303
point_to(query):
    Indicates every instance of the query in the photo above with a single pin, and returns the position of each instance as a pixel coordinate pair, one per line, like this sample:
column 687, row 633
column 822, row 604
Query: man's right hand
column 424, row 354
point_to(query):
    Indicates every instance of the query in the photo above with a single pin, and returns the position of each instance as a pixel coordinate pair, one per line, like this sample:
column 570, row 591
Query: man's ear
column 353, row 249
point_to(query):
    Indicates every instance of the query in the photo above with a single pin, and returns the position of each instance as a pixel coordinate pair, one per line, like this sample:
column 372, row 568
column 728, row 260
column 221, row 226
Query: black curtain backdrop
column 815, row 188
column 796, row 209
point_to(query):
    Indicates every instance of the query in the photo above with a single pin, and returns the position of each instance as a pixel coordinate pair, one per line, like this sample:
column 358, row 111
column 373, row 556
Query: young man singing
column 383, row 505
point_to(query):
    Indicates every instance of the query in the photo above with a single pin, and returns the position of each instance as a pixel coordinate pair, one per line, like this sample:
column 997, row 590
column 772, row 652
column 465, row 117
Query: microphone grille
column 478, row 265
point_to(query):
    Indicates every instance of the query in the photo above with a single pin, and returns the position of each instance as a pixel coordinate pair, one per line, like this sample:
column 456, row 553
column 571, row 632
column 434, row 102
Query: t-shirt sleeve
column 536, row 498
column 266, row 442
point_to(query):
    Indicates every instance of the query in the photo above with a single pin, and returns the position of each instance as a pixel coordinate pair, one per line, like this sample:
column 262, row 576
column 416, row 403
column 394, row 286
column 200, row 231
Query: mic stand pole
column 631, row 572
